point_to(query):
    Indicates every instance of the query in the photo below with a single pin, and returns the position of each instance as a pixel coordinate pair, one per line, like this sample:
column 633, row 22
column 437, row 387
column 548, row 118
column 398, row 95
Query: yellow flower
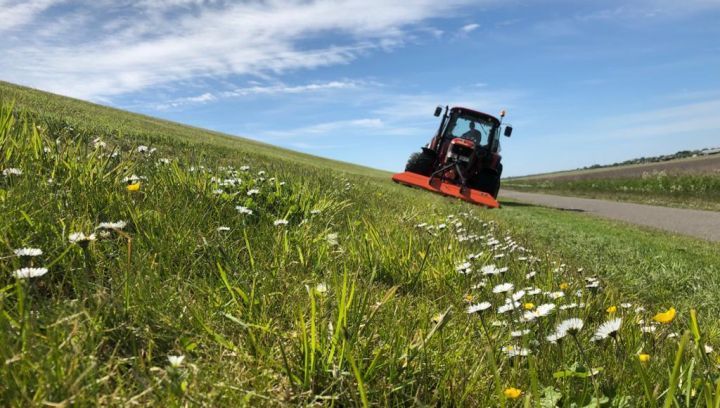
column 564, row 285
column 612, row 309
column 134, row 187
column 469, row 298
column 512, row 393
column 665, row 317
column 528, row 306
column 644, row 358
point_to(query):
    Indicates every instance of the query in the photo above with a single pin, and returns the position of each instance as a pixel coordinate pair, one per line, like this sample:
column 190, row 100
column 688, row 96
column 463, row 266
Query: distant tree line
column 657, row 159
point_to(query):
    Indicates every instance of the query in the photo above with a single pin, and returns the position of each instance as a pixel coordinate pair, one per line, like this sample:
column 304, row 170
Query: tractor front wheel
column 487, row 181
column 422, row 163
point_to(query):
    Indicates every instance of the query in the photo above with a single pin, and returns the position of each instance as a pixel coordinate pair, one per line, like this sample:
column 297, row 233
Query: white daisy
column 25, row 273
column 569, row 306
column 508, row 307
column 490, row 270
column 118, row 225
column 28, row 252
column 540, row 311
column 530, row 275
column 648, row 329
column 79, row 238
column 480, row 307
column 503, row 287
column 515, row 351
column 708, row 349
column 554, row 337
column 243, row 210
column 223, row 229
column 570, row 326
column 607, row 329
column 12, row 171
column 315, row 212
column 556, row 295
column 518, row 295
column 321, row 288
column 280, row 222
column 176, row 361
column 253, row 191
column 464, row 268
column 519, row 333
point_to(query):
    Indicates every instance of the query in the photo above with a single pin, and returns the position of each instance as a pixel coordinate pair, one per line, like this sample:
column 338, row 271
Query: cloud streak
column 135, row 46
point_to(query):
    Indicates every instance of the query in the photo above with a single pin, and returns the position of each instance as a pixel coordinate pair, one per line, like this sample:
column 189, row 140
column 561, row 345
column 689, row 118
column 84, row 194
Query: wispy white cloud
column 139, row 45
column 326, row 128
column 469, row 27
column 18, row 13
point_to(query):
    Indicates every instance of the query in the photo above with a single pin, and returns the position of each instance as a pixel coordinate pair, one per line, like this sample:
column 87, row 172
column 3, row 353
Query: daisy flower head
column 28, row 252
column 118, row 225
column 243, row 210
column 12, row 171
column 515, row 351
column 519, row 333
column 555, row 337
column 479, row 307
column 280, row 223
column 176, row 361
column 503, row 287
column 570, row 326
column 80, row 238
column 490, row 270
column 464, row 268
column 253, row 191
column 26, row 273
column 607, row 329
column 649, row 329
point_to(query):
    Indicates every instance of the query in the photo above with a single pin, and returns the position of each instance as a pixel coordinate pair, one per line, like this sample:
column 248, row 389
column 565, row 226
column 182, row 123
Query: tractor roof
column 473, row 112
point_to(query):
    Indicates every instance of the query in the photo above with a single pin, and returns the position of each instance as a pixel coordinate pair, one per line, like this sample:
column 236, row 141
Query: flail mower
column 462, row 160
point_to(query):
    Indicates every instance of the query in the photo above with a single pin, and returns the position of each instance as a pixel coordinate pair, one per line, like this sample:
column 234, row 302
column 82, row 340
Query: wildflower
column 142, row 149
column 332, row 239
column 665, row 317
column 569, row 306
column 607, row 329
column 223, row 229
column 280, row 222
column 244, row 168
column 12, row 171
column 564, row 286
column 644, row 358
column 133, row 187
column 530, row 275
column 541, row 311
column 503, row 287
column 464, row 268
column 118, row 225
column 25, row 273
column 626, row 305
column 508, row 306
column 468, row 297
column 28, row 252
column 514, row 351
column 648, row 329
column 176, row 361
column 512, row 393
column 480, row 307
column 528, row 306
column 518, row 295
column 570, row 326
column 611, row 309
column 492, row 270
column 321, row 288
column 556, row 295
column 243, row 210
column 253, row 191
column 519, row 333
column 81, row 238
column 708, row 349
column 315, row 212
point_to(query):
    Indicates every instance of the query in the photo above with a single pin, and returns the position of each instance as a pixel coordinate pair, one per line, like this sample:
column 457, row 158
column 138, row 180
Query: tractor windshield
column 469, row 127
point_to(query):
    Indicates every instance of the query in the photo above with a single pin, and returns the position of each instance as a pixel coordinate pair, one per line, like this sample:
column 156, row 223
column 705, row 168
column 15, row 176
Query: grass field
column 182, row 267
column 683, row 190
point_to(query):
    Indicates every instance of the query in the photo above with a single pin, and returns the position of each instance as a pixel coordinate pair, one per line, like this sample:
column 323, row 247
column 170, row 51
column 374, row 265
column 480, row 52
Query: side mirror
column 438, row 111
column 508, row 131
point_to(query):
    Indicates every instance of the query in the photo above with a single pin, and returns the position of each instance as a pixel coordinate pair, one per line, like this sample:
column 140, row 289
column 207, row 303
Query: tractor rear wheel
column 422, row 163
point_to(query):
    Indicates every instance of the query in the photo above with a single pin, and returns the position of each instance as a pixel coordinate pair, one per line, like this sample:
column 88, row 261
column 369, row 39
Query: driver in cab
column 473, row 134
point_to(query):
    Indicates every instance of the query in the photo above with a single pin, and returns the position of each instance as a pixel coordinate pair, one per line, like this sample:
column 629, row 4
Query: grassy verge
column 233, row 277
column 701, row 191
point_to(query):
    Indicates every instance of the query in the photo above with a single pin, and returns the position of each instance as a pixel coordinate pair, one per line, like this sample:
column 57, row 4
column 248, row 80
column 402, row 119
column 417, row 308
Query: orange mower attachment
column 448, row 189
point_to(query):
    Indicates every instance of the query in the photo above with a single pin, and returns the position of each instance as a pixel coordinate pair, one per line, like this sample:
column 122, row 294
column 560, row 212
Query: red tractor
column 462, row 160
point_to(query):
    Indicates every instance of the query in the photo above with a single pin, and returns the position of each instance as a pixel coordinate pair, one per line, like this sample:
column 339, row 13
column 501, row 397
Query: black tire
column 487, row 181
column 422, row 162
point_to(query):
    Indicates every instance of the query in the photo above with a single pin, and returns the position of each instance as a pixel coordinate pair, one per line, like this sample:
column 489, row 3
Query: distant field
column 686, row 183
column 147, row 263
column 708, row 165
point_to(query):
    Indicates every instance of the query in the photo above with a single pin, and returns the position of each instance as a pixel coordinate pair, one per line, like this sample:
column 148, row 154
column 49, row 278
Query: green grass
column 356, row 301
column 700, row 191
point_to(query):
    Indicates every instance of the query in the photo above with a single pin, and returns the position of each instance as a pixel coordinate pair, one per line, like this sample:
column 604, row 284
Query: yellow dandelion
column 564, row 285
column 528, row 306
column 512, row 393
column 469, row 298
column 612, row 309
column 133, row 187
column 665, row 317
column 644, row 358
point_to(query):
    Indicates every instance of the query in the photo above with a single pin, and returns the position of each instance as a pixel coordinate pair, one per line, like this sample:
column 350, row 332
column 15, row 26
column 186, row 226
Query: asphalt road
column 696, row 223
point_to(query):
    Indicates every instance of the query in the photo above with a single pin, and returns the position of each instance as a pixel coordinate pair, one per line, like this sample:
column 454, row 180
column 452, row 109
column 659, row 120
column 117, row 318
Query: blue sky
column 584, row 82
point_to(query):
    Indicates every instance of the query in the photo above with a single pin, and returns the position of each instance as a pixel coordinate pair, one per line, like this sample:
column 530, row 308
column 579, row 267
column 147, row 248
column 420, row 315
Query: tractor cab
column 463, row 159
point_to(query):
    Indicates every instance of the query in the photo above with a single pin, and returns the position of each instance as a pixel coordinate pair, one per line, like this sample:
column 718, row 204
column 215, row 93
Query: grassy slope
column 244, row 307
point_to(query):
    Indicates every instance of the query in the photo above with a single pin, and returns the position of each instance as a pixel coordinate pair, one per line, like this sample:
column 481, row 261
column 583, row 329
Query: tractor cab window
column 471, row 128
